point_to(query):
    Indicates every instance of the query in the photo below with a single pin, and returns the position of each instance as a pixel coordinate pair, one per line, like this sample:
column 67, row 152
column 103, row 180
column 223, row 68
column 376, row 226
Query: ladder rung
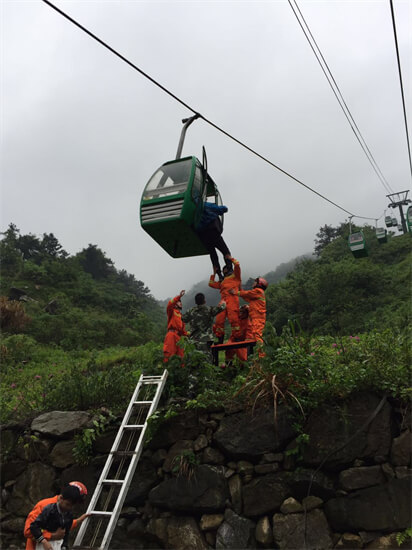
column 124, row 453
column 133, row 426
column 142, row 402
column 99, row 513
column 113, row 481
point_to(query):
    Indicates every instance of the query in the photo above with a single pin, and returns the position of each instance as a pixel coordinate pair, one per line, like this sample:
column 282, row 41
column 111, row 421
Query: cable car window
column 355, row 238
column 171, row 179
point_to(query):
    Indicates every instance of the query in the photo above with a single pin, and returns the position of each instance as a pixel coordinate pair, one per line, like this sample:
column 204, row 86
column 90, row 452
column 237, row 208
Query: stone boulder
column 382, row 508
column 179, row 448
column 401, row 450
column 176, row 428
column 264, row 532
column 329, row 426
column 264, row 495
column 60, row 424
column 289, row 531
column 35, row 483
column 359, row 478
column 181, row 533
column 320, row 484
column 388, row 542
column 11, row 470
column 235, row 532
column 62, row 454
column 144, row 479
column 248, row 436
column 205, row 491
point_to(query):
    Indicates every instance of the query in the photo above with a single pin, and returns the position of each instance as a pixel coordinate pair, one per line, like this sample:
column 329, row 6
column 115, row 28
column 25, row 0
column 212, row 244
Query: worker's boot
column 229, row 264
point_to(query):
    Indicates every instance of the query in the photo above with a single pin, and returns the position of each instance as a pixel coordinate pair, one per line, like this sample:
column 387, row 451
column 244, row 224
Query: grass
column 303, row 370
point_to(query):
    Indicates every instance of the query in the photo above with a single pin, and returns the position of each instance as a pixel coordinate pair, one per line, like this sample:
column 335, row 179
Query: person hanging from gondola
column 210, row 229
column 175, row 328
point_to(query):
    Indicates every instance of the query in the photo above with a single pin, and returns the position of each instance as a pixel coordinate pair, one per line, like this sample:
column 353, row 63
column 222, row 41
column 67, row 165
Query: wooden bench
column 248, row 344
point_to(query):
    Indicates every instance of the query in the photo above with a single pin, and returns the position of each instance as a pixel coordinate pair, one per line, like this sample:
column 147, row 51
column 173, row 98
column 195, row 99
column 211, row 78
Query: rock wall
column 233, row 479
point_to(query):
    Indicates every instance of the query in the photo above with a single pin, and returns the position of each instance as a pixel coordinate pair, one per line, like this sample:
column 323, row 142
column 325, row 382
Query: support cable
column 401, row 85
column 115, row 52
column 338, row 94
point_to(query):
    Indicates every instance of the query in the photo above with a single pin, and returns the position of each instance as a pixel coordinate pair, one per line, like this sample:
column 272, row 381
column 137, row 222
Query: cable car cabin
column 409, row 219
column 357, row 244
column 381, row 234
column 172, row 205
column 388, row 221
column 394, row 222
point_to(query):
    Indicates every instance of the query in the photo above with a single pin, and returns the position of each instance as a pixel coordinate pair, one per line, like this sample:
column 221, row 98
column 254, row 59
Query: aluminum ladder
column 106, row 503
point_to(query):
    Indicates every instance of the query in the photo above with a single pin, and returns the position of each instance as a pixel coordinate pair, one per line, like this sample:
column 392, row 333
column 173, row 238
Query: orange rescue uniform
column 37, row 510
column 230, row 282
column 257, row 310
column 246, row 333
column 175, row 330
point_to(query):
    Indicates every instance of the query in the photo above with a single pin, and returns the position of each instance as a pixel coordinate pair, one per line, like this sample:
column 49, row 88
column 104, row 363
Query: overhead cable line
column 104, row 44
column 338, row 94
column 401, row 84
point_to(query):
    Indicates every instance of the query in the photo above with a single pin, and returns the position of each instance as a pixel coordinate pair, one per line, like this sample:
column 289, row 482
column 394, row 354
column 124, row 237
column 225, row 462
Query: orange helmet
column 261, row 282
column 81, row 486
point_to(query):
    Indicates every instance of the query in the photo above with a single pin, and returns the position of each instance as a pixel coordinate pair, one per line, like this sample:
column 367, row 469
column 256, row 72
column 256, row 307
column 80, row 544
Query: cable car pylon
column 398, row 200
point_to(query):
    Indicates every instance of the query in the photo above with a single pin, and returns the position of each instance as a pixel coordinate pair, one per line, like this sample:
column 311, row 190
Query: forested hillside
column 75, row 302
column 338, row 294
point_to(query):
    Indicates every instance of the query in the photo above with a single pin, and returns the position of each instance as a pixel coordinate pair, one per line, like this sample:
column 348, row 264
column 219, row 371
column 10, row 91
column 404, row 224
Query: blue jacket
column 211, row 212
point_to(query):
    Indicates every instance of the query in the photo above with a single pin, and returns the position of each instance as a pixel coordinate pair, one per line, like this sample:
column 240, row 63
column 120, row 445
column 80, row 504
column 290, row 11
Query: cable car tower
column 398, row 200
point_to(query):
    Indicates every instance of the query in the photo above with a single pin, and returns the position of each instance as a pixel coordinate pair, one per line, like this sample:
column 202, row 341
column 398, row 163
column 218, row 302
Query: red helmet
column 261, row 282
column 81, row 486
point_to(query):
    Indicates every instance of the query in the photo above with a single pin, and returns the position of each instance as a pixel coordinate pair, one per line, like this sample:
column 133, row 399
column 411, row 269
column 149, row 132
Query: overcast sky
column 82, row 132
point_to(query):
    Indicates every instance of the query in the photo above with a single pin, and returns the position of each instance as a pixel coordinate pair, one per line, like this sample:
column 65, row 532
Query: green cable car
column 409, row 219
column 388, row 221
column 172, row 202
column 357, row 244
column 394, row 222
column 172, row 205
column 381, row 235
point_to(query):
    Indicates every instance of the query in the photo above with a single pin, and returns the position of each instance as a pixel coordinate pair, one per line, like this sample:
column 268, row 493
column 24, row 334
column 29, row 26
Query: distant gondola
column 357, row 244
column 381, row 234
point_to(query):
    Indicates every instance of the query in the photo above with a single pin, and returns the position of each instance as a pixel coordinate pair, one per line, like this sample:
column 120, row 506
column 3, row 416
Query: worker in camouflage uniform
column 200, row 318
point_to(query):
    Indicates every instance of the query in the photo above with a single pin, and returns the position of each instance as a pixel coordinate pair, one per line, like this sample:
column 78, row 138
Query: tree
column 325, row 236
column 51, row 246
column 94, row 261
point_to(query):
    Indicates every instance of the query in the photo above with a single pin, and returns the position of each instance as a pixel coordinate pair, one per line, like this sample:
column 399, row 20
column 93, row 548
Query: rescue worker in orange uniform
column 175, row 328
column 38, row 509
column 246, row 334
column 231, row 281
column 257, row 307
